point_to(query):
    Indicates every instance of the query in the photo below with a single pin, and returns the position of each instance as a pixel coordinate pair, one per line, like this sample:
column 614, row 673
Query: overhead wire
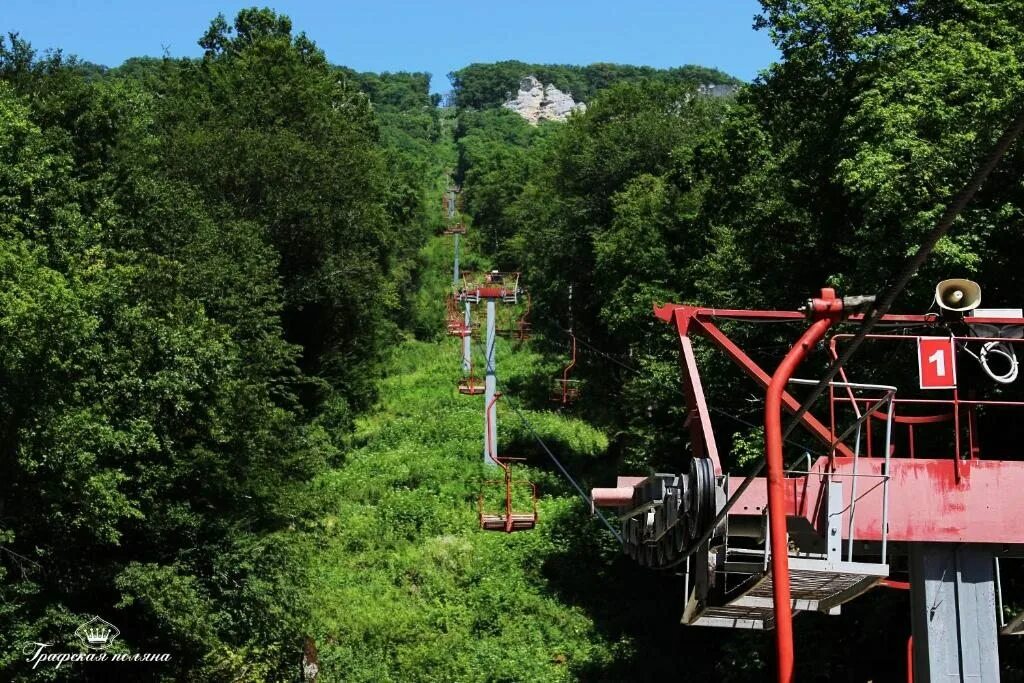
column 489, row 353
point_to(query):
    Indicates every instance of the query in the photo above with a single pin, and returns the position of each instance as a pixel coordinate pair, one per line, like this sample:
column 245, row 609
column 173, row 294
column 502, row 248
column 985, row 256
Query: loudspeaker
column 958, row 295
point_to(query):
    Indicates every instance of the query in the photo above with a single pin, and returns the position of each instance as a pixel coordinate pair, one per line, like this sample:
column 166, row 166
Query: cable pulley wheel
column 700, row 497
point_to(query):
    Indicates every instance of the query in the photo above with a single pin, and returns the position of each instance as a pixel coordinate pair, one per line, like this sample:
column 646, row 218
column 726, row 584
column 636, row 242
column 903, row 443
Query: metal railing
column 887, row 400
column 956, row 405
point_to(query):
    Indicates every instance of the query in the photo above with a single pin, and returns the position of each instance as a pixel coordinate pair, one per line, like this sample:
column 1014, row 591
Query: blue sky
column 405, row 35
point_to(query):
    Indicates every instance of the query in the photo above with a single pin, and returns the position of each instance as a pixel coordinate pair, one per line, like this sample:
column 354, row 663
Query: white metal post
column 455, row 270
column 490, row 385
column 467, row 358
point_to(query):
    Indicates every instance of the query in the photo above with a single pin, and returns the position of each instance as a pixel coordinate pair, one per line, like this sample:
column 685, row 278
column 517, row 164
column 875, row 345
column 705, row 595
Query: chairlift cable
column 583, row 495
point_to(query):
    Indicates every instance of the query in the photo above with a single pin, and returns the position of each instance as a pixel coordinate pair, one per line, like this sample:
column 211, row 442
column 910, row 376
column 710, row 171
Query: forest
column 230, row 417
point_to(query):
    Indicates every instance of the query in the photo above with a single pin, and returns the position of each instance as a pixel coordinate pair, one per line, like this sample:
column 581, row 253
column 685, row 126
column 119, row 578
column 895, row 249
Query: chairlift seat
column 565, row 390
column 520, row 522
column 509, row 519
column 470, row 387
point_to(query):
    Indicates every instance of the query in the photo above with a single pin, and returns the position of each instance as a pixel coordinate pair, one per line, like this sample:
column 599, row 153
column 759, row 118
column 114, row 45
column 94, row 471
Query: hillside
column 230, row 424
column 484, row 86
column 408, row 587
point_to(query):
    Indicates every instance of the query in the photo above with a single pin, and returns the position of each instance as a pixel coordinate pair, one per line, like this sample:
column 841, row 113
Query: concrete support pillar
column 953, row 613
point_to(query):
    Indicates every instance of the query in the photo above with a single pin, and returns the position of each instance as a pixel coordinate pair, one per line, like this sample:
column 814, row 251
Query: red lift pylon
column 814, row 538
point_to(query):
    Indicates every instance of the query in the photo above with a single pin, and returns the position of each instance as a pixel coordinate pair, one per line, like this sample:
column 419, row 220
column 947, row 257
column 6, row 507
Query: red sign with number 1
column 936, row 362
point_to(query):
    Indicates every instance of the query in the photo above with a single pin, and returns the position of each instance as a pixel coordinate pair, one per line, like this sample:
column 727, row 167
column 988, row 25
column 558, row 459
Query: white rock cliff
column 537, row 102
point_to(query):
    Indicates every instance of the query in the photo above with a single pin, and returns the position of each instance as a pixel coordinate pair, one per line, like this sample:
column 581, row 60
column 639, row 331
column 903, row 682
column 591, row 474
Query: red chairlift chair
column 566, row 391
column 511, row 517
column 471, row 385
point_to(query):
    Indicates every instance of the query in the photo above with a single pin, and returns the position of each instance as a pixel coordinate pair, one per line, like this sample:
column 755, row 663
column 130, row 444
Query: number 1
column 939, row 358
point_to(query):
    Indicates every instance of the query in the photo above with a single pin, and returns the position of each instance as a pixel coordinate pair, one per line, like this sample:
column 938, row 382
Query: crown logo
column 97, row 636
column 97, row 633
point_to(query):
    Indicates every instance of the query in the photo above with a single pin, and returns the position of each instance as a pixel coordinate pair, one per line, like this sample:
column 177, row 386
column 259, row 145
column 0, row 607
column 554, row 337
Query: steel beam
column 702, row 436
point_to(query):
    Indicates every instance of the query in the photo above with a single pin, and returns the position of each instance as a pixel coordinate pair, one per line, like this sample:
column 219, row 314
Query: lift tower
column 902, row 491
column 457, row 229
column 494, row 289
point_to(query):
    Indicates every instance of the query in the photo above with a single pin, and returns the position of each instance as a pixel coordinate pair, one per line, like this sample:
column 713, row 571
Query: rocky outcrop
column 537, row 102
column 713, row 90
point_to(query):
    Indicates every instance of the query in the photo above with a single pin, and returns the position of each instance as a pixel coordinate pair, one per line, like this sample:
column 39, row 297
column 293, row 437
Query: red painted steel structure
column 826, row 311
column 958, row 499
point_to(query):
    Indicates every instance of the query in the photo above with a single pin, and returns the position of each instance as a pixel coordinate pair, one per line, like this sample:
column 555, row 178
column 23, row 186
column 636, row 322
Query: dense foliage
column 202, row 261
column 826, row 170
column 221, row 436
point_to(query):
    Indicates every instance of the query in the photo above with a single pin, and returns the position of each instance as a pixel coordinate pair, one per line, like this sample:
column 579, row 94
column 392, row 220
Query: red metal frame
column 689, row 320
column 948, row 500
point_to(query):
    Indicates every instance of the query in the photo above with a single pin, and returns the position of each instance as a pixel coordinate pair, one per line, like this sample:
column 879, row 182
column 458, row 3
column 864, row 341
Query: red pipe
column 494, row 456
column 910, row 659
column 776, row 493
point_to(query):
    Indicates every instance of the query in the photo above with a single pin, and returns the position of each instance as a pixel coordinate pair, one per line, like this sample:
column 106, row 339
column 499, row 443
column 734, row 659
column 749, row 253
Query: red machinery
column 510, row 517
column 902, row 478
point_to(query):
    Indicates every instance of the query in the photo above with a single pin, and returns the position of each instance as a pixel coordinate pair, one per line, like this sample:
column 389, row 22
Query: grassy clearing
column 408, row 588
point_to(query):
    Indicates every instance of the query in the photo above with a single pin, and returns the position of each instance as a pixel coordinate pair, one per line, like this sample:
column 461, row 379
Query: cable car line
column 586, row 498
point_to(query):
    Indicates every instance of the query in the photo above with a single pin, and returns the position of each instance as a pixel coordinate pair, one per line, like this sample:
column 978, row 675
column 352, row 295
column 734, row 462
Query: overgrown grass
column 408, row 588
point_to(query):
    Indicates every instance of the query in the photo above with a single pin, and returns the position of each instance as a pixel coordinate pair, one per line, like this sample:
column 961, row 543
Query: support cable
column 579, row 489
column 565, row 473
